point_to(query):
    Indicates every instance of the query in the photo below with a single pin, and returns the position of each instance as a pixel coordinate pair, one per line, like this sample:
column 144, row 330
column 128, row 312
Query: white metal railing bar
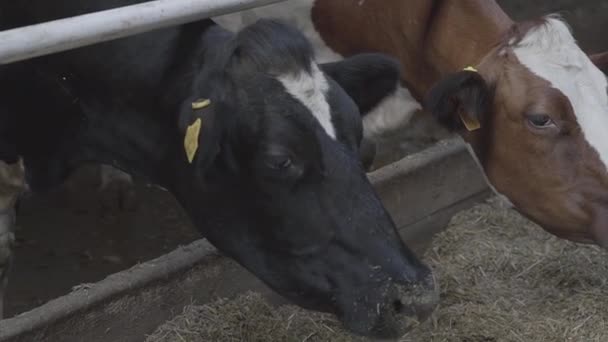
column 69, row 33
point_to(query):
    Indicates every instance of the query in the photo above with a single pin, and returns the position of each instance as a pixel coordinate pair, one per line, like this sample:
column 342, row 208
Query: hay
column 502, row 279
column 249, row 318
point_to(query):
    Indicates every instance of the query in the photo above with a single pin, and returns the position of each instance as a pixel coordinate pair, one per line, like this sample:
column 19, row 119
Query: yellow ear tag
column 469, row 122
column 191, row 139
column 200, row 103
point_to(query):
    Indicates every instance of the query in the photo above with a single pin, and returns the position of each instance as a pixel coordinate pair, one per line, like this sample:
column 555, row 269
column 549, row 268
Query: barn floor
column 66, row 238
column 502, row 279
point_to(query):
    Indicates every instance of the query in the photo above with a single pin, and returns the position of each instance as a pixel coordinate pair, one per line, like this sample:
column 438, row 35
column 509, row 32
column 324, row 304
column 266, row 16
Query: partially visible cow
column 532, row 106
column 12, row 184
column 256, row 141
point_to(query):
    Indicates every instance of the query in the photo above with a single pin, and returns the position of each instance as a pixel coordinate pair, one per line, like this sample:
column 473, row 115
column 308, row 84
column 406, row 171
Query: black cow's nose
column 392, row 310
column 418, row 300
column 407, row 306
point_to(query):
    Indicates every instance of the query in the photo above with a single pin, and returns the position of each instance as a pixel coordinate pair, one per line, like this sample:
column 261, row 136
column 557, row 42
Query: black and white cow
column 275, row 180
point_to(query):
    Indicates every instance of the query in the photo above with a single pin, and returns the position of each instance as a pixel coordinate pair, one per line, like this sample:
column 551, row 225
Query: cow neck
column 430, row 38
column 131, row 139
column 461, row 33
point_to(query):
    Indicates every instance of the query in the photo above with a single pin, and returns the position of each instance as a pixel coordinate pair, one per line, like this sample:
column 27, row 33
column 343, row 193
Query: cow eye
column 540, row 121
column 279, row 162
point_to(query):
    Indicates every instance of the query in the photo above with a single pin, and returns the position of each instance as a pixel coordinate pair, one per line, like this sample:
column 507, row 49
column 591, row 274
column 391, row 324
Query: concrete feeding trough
column 421, row 191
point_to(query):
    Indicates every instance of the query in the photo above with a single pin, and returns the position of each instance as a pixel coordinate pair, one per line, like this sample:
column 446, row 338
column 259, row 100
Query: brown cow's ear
column 600, row 60
column 459, row 101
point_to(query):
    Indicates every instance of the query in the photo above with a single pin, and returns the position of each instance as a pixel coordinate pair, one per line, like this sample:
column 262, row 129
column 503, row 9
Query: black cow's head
column 276, row 182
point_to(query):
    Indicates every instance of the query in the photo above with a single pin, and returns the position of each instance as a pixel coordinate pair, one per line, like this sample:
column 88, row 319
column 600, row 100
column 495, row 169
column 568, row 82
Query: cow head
column 542, row 109
column 276, row 182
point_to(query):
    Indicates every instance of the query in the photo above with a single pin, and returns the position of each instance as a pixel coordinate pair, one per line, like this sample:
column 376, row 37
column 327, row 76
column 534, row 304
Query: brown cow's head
column 542, row 106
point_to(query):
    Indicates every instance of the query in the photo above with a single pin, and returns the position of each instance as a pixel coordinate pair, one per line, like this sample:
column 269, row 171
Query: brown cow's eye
column 540, row 120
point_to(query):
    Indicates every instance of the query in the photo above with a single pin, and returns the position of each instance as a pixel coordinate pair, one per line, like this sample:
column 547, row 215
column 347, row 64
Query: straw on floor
column 502, row 279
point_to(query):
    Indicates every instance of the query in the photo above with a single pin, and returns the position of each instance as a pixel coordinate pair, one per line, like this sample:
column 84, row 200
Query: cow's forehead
column 550, row 51
column 271, row 48
column 310, row 87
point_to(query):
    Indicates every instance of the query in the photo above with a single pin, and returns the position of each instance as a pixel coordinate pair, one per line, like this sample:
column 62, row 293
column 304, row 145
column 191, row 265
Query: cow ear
column 200, row 130
column 459, row 101
column 367, row 78
column 600, row 60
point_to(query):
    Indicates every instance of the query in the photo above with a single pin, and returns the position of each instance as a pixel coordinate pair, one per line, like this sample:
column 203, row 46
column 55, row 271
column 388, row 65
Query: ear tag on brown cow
column 191, row 139
column 471, row 123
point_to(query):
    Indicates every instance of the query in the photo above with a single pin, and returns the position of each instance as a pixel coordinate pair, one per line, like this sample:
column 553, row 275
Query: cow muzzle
column 397, row 309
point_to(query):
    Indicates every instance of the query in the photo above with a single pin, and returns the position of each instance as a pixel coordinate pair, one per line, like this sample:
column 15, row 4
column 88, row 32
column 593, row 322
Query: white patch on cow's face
column 551, row 52
column 296, row 13
column 311, row 90
column 391, row 114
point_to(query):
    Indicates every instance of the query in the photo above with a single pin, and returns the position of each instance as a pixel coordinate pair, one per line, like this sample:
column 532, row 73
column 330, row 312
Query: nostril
column 397, row 306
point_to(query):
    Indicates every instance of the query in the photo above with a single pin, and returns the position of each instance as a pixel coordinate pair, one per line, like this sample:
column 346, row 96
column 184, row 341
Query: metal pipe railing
column 69, row 33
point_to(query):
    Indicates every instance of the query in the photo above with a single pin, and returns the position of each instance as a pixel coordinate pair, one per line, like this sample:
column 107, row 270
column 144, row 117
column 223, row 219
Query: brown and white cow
column 541, row 103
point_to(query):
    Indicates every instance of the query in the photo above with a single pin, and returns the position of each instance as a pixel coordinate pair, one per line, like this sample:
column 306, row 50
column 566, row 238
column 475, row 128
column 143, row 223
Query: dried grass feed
column 502, row 279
